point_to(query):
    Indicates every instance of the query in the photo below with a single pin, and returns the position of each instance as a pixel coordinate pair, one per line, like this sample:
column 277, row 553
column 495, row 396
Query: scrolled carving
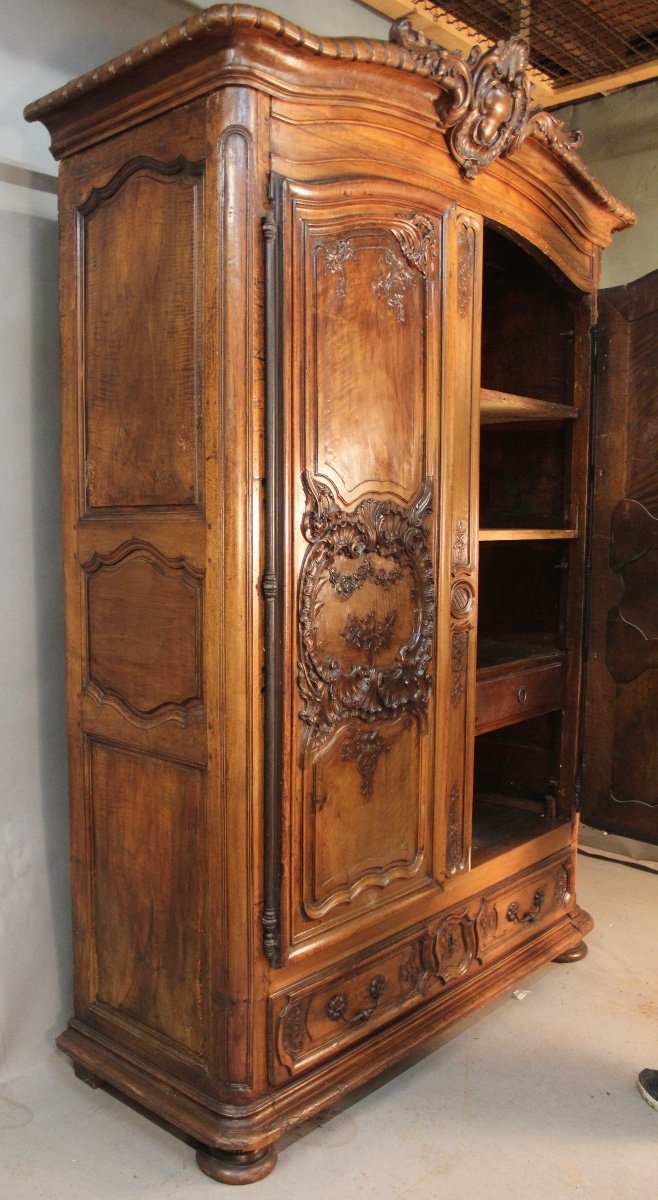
column 416, row 237
column 334, row 693
column 445, row 66
column 485, row 109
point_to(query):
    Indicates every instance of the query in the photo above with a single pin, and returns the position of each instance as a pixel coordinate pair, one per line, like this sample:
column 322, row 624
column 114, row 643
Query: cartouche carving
column 453, row 946
column 336, row 255
column 364, row 749
column 485, row 109
column 333, row 693
column 462, row 599
column 294, row 1028
column 395, row 280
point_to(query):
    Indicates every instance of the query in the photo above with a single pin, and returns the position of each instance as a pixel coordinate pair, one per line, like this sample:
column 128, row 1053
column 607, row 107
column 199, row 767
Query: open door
column 620, row 782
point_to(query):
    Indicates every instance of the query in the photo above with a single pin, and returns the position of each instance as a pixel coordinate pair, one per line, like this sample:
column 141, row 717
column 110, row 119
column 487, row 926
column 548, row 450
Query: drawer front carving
column 518, row 694
column 515, row 912
column 315, row 1019
column 312, row 1021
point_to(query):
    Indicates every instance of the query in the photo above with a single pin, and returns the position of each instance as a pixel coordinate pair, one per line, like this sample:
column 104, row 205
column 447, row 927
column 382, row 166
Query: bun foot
column 573, row 955
column 87, row 1076
column 234, row 1167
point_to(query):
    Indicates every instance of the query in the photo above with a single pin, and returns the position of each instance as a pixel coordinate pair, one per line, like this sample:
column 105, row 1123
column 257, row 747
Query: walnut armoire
column 326, row 312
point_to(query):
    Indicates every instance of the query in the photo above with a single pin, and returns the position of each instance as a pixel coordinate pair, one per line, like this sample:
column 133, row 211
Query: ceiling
column 578, row 48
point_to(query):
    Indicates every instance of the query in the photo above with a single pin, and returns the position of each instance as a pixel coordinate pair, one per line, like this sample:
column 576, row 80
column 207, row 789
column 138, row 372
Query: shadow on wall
column 49, row 611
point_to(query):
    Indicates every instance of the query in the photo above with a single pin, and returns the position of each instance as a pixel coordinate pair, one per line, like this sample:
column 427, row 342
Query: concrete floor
column 534, row 1098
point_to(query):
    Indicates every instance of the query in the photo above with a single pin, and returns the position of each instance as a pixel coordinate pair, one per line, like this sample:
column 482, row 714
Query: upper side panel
column 141, row 246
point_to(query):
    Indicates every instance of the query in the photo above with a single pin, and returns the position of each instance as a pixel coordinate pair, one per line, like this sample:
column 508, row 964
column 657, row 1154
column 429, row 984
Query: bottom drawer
column 315, row 1018
column 327, row 1013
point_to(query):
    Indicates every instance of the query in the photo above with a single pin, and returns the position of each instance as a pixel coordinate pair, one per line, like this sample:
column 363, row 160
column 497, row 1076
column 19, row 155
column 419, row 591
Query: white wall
column 621, row 146
column 44, row 43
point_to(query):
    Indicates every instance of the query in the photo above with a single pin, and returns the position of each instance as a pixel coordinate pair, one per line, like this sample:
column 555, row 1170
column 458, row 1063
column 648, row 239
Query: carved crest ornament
column 485, row 107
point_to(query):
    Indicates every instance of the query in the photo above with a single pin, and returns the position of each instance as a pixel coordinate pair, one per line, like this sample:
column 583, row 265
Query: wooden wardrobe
column 326, row 311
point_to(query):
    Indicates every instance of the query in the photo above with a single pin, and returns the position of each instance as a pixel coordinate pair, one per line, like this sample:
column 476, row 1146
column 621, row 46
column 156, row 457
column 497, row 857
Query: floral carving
column 465, row 249
column 454, row 847
column 364, row 749
column 333, row 693
column 396, row 279
column 345, row 584
column 369, row 634
column 336, row 255
column 459, row 656
column 460, row 544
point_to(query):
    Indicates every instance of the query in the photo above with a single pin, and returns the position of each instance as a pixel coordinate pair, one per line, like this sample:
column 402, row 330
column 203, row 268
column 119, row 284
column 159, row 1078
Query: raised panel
column 365, row 367
column 150, row 891
column 363, row 820
column 144, row 634
column 141, row 277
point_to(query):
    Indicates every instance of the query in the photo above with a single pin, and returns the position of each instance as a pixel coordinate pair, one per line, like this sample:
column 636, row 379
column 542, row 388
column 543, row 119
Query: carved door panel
column 369, row 509
column 620, row 786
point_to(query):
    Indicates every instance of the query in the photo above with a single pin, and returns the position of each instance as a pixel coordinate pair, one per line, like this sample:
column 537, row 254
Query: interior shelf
column 498, row 827
column 526, row 535
column 496, row 653
column 498, row 408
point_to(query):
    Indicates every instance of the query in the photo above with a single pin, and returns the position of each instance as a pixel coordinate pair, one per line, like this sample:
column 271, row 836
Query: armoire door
column 620, row 792
column 375, row 418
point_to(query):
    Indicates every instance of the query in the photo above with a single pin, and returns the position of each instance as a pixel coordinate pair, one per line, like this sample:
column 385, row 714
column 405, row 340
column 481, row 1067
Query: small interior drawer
column 513, row 693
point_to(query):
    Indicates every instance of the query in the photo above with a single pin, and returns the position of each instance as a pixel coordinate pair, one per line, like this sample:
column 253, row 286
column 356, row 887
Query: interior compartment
column 516, row 774
column 521, row 599
column 524, row 480
column 527, row 324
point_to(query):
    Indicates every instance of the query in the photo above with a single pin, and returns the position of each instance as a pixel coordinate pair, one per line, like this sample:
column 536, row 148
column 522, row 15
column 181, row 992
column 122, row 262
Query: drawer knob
column 337, row 1006
column 532, row 914
column 522, row 695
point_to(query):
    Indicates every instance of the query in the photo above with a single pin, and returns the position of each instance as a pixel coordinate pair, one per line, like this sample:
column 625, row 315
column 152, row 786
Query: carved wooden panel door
column 375, row 512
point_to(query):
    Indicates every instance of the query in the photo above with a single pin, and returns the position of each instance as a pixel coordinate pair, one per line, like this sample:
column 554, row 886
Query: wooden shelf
column 496, row 654
column 500, row 826
column 526, row 535
column 498, row 408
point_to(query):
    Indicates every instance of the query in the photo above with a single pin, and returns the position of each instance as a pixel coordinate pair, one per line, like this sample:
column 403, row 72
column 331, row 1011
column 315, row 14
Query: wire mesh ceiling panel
column 570, row 40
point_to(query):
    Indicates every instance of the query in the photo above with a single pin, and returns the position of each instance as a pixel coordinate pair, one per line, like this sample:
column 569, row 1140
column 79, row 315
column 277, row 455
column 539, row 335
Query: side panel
column 134, row 437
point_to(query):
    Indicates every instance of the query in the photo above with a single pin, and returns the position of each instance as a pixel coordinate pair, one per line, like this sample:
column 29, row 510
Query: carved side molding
column 391, row 534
